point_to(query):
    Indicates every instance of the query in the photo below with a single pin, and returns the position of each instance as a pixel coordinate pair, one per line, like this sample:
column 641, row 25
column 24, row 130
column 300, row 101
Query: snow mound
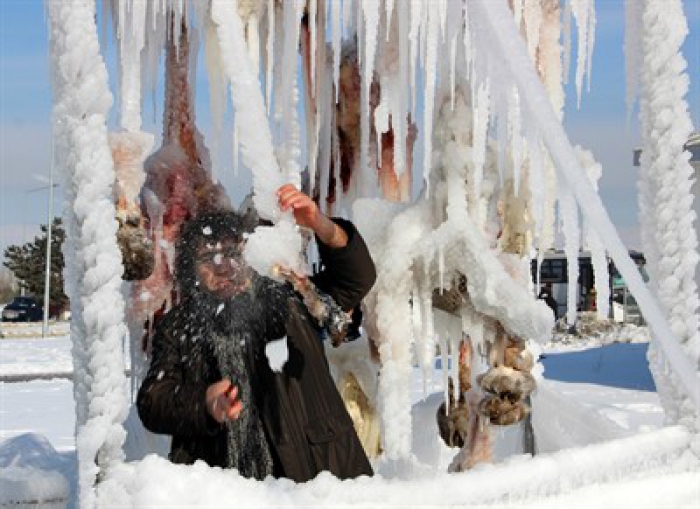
column 31, row 473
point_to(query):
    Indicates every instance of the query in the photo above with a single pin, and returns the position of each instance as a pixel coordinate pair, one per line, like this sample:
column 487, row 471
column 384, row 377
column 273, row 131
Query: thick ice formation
column 82, row 102
column 666, row 196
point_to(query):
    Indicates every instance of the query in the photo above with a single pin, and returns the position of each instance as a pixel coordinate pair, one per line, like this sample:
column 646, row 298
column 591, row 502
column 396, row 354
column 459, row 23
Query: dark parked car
column 23, row 309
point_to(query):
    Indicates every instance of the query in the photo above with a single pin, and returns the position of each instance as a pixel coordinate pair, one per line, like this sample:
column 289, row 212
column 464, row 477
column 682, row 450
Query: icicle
column 549, row 57
column 389, row 9
column 482, row 113
column 429, row 96
column 217, row 86
column 467, row 41
column 454, row 331
column 416, row 16
column 518, row 12
column 236, row 148
column 442, row 10
column 348, row 15
column 536, row 183
column 581, row 10
column 567, row 41
column 370, row 10
column 256, row 141
column 591, row 42
column 313, row 27
column 293, row 11
column 445, row 362
column 533, row 22
column 515, row 138
column 441, row 267
column 270, row 54
column 570, row 228
column 399, row 116
column 453, row 58
column 335, row 41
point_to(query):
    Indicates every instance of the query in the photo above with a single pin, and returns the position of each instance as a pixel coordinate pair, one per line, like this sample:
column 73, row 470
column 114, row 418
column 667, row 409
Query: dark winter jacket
column 304, row 418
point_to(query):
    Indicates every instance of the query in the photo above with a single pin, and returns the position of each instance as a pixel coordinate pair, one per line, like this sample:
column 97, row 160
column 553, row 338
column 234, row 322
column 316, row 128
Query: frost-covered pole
column 81, row 103
column 508, row 45
column 666, row 177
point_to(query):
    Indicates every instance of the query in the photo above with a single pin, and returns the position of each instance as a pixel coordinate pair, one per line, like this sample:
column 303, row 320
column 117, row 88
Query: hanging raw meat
column 129, row 149
column 178, row 183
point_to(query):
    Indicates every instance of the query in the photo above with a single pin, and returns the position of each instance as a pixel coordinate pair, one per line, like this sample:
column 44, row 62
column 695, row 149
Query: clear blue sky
column 25, row 107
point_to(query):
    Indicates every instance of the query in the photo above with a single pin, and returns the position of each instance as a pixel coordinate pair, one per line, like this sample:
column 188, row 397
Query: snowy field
column 592, row 393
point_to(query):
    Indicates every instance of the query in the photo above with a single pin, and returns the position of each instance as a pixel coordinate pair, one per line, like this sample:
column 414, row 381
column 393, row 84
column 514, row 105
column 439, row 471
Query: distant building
column 554, row 275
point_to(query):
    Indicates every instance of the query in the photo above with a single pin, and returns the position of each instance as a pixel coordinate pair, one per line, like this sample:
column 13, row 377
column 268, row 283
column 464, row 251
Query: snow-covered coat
column 305, row 420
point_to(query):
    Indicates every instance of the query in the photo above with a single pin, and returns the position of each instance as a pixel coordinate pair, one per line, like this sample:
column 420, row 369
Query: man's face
column 221, row 269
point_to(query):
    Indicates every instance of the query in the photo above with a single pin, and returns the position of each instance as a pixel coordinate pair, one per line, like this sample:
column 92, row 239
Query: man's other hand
column 221, row 401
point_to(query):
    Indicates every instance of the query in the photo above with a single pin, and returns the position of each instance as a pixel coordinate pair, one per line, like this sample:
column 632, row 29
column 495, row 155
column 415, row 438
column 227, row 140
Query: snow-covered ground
column 599, row 399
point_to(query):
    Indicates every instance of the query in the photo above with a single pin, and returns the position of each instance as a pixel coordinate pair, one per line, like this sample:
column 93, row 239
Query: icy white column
column 82, row 102
column 666, row 177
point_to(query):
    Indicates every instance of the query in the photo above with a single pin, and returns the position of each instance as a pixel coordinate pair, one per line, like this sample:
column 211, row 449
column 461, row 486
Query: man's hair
column 211, row 227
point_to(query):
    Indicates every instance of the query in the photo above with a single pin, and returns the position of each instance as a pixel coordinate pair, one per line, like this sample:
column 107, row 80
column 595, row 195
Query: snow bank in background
column 591, row 332
column 31, row 473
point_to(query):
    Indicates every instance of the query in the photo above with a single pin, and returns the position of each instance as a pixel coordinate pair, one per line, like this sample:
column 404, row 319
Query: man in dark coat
column 210, row 384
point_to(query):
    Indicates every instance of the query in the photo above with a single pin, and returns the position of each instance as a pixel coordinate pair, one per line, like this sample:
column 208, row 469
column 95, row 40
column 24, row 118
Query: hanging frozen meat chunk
column 178, row 183
column 129, row 149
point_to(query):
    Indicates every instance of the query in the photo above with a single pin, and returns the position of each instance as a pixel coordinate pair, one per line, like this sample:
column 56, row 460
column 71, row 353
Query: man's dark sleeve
column 166, row 404
column 348, row 272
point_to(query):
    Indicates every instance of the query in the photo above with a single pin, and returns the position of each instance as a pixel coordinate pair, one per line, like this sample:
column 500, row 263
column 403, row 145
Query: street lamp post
column 47, row 280
column 47, row 274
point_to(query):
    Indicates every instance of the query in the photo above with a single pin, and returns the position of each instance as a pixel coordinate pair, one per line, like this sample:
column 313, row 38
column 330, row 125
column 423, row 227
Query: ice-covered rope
column 82, row 102
column 494, row 16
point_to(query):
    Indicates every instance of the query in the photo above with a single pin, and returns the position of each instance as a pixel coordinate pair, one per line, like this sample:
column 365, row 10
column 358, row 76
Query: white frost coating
column 131, row 34
column 370, row 11
column 666, row 197
column 336, row 35
column 570, row 228
column 532, row 14
column 584, row 15
column 493, row 16
column 271, row 245
column 82, row 102
column 277, row 354
column 593, row 243
column 516, row 138
column 413, row 37
column 482, row 112
column 270, row 54
column 217, row 84
column 430, row 88
column 255, row 140
column 566, row 29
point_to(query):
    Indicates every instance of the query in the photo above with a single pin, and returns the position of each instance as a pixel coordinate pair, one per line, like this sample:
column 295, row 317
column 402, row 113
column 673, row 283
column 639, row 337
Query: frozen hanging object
column 320, row 305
